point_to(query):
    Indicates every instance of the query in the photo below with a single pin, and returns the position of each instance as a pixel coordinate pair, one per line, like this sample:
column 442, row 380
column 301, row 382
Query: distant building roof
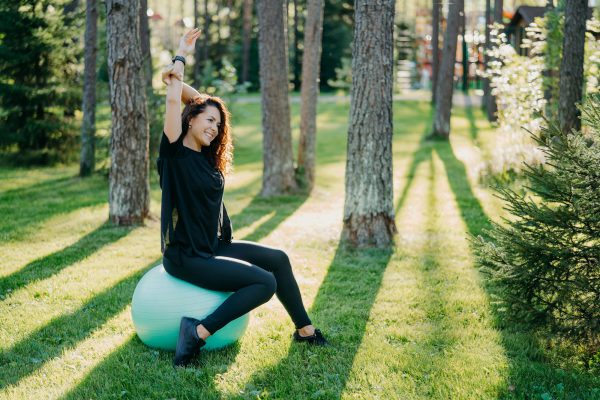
column 527, row 14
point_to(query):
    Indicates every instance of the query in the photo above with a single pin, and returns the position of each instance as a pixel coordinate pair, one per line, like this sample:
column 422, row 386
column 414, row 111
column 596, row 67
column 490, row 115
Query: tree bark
column 571, row 66
column 443, row 106
column 368, row 207
column 145, row 42
column 206, row 35
column 490, row 105
column 498, row 8
column 309, row 92
column 198, row 49
column 486, row 52
column 129, row 187
column 88, row 127
column 247, row 27
column 278, row 168
column 296, row 54
column 435, row 47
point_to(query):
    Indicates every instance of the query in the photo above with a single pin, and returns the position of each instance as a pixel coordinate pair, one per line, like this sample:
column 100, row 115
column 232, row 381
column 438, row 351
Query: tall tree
column 313, row 33
column 88, row 126
column 445, row 86
column 571, row 66
column 435, row 46
column 278, row 168
column 368, row 207
column 296, row 50
column 129, row 187
column 145, row 42
column 197, row 50
column 247, row 39
column 39, row 84
column 490, row 106
column 486, row 53
column 206, row 35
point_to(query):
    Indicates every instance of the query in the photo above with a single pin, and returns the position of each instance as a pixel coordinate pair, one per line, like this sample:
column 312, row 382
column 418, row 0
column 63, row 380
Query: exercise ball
column 160, row 300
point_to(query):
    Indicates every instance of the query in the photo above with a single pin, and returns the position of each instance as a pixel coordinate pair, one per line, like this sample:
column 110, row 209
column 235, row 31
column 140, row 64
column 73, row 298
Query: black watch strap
column 180, row 58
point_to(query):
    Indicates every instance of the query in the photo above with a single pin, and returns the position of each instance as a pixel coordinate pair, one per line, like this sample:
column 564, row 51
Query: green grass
column 413, row 322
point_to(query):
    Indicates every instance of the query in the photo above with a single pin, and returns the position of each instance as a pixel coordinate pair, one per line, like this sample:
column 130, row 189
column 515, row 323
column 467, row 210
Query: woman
column 195, row 153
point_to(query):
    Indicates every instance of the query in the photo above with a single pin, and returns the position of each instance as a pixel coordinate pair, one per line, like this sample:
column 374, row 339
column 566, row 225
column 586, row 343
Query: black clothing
column 197, row 246
column 253, row 271
column 193, row 213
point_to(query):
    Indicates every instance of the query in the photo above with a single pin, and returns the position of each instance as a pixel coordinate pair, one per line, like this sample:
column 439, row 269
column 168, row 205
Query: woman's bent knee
column 270, row 285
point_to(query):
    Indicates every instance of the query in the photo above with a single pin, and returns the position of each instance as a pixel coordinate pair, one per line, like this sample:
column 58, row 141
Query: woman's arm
column 172, row 124
column 188, row 93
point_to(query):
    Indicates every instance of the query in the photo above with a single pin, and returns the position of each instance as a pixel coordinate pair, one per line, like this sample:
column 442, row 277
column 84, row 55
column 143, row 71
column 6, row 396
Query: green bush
column 39, row 81
column 545, row 257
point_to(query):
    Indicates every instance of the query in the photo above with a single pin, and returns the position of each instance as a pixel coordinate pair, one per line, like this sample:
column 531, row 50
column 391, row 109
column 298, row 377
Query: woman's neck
column 188, row 141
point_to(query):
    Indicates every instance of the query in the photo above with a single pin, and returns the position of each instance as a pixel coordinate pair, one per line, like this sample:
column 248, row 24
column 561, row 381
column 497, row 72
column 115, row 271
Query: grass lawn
column 413, row 322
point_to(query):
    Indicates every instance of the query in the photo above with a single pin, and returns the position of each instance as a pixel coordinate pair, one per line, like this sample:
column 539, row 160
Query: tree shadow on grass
column 473, row 130
column 33, row 204
column 530, row 371
column 65, row 331
column 279, row 208
column 136, row 371
column 45, row 267
column 341, row 309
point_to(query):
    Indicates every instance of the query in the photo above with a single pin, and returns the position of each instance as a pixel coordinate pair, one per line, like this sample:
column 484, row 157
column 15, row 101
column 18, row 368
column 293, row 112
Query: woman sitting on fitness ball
column 196, row 238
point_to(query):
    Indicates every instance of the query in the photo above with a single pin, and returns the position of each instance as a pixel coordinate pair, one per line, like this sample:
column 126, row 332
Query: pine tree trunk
column 486, row 52
column 498, row 9
column 206, row 35
column 296, row 55
column 129, row 187
column 278, row 168
column 435, row 47
column 368, row 207
column 490, row 105
column 571, row 66
column 198, row 49
column 445, row 86
column 145, row 41
column 311, row 61
column 247, row 27
column 88, row 126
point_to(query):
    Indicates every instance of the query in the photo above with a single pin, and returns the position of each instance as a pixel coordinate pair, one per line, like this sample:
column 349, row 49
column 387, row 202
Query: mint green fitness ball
column 159, row 302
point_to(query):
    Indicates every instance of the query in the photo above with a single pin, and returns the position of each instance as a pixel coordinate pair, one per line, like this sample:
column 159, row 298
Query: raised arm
column 188, row 93
column 174, row 82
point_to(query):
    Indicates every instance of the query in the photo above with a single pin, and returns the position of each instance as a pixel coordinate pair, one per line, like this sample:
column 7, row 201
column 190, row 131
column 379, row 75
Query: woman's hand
column 168, row 73
column 188, row 42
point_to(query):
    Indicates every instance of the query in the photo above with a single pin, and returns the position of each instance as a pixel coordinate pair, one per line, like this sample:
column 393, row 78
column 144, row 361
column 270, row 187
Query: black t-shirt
column 193, row 217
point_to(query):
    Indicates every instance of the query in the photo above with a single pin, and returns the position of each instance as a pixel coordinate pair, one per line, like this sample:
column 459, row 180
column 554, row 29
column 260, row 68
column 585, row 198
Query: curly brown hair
column 221, row 148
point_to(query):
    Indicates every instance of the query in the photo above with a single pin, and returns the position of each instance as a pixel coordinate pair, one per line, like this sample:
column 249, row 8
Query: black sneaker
column 188, row 343
column 316, row 338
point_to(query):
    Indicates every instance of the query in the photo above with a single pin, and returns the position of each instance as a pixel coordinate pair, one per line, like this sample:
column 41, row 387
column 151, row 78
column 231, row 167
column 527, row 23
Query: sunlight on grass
column 33, row 306
column 73, row 365
column 247, row 230
column 64, row 229
column 412, row 323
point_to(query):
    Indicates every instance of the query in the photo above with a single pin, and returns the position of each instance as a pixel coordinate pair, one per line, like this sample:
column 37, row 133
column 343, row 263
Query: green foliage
column 545, row 258
column 39, row 88
column 551, row 47
column 343, row 76
column 338, row 25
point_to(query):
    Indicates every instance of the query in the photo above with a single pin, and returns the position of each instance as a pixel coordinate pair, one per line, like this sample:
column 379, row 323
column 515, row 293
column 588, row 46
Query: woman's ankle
column 307, row 330
column 203, row 333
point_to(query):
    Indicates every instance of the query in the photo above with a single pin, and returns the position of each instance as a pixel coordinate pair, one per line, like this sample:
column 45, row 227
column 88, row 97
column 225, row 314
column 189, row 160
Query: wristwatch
column 180, row 58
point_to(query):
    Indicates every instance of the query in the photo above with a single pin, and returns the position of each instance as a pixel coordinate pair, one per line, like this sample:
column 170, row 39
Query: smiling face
column 205, row 126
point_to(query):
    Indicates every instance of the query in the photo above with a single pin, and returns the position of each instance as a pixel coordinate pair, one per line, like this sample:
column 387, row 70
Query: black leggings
column 252, row 271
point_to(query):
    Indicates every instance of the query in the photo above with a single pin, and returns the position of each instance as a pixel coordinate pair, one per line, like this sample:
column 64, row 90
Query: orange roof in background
column 507, row 14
